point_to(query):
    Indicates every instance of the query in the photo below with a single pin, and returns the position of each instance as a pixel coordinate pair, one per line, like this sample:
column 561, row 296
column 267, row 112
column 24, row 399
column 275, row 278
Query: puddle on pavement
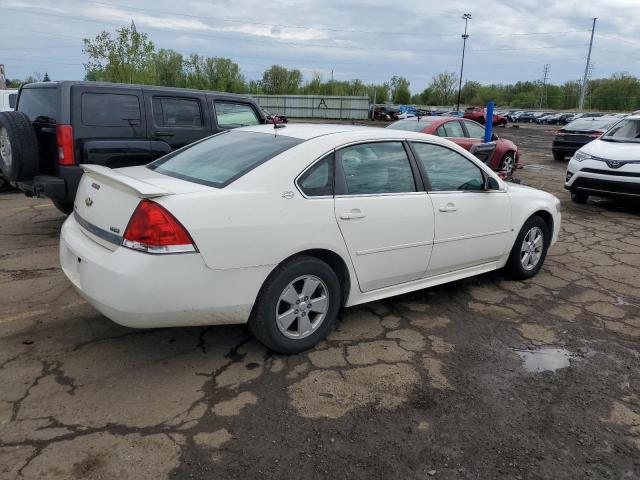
column 545, row 359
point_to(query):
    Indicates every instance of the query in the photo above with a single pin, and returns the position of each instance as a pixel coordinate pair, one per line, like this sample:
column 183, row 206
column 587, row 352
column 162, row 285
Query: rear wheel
column 18, row 147
column 579, row 197
column 558, row 156
column 508, row 164
column 64, row 207
column 297, row 305
column 529, row 250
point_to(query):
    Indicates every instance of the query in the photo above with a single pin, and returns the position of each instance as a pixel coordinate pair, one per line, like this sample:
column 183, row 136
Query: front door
column 472, row 224
column 385, row 219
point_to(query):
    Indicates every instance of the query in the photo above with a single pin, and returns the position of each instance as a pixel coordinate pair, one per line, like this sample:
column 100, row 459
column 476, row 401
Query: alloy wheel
column 302, row 307
column 531, row 249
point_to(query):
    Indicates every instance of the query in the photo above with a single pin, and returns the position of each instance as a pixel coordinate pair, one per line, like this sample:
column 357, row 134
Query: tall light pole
column 466, row 17
column 585, row 79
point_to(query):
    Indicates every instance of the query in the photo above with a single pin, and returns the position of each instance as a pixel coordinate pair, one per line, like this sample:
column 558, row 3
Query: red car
column 465, row 133
column 479, row 115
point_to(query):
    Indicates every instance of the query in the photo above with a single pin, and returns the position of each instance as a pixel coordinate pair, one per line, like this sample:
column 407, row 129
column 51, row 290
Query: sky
column 366, row 39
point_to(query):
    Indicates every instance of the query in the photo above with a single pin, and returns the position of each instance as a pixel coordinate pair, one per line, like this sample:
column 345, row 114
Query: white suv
column 609, row 165
column 8, row 99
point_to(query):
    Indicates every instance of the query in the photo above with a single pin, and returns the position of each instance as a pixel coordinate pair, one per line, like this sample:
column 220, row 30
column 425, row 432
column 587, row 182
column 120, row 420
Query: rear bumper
column 149, row 291
column 61, row 188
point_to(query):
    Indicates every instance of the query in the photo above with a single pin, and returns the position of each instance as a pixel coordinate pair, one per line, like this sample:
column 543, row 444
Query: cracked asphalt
column 426, row 385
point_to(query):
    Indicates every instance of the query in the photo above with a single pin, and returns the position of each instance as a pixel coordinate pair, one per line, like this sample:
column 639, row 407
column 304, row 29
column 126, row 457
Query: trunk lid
column 107, row 198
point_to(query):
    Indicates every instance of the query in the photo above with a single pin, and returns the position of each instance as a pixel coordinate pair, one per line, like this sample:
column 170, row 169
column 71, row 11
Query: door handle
column 164, row 134
column 352, row 215
column 449, row 207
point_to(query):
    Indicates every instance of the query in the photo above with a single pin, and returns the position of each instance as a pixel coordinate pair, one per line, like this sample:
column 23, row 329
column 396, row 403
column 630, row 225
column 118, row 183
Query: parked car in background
column 527, row 117
column 274, row 117
column 343, row 215
column 565, row 118
column 465, row 133
column 60, row 126
column 578, row 133
column 479, row 114
column 8, row 99
column 544, row 117
column 514, row 115
column 608, row 166
column 384, row 112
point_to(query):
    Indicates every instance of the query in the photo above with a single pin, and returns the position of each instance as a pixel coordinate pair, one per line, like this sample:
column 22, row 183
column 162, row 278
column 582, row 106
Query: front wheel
column 579, row 197
column 64, row 207
column 508, row 164
column 297, row 305
column 558, row 156
column 529, row 250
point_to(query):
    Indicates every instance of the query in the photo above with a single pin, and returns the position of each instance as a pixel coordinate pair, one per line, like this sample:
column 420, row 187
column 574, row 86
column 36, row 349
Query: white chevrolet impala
column 280, row 227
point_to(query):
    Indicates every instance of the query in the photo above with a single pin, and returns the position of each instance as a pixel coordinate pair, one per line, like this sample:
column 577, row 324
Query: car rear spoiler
column 117, row 179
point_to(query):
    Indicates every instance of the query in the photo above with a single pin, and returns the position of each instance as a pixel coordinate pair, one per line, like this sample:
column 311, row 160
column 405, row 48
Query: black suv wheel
column 18, row 147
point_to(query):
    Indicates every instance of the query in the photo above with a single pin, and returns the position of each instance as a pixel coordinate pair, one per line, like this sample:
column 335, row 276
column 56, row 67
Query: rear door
column 108, row 125
column 472, row 224
column 177, row 119
column 385, row 217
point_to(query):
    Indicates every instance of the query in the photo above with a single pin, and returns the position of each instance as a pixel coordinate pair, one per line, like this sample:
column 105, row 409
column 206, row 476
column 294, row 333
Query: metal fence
column 316, row 106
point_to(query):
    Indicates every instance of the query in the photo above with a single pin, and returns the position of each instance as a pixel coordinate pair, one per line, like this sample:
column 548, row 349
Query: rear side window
column 176, row 112
column 110, row 109
column 454, row 129
column 375, row 168
column 12, row 100
column 233, row 115
column 219, row 160
column 40, row 104
column 318, row 180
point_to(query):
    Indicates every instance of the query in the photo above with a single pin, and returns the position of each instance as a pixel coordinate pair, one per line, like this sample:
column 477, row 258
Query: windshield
column 413, row 125
column 588, row 124
column 627, row 130
column 219, row 160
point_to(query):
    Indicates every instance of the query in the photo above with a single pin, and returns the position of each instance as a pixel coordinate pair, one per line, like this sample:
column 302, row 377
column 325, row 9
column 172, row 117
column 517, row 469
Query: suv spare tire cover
column 18, row 147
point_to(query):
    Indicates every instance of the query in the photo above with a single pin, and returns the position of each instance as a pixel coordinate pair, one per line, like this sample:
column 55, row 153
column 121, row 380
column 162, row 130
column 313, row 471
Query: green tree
column 400, row 89
column 442, row 88
column 278, row 80
column 125, row 57
column 168, row 68
column 46, row 77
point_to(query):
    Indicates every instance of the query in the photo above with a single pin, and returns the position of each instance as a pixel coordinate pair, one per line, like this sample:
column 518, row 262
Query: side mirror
column 492, row 184
column 494, row 137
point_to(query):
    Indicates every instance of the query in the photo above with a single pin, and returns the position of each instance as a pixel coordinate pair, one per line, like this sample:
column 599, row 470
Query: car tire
column 508, row 162
column 64, row 207
column 283, row 288
column 579, row 197
column 559, row 156
column 18, row 147
column 520, row 266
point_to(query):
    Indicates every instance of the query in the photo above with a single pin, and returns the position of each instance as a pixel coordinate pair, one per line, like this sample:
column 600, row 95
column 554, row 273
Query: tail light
column 596, row 134
column 64, row 136
column 559, row 133
column 152, row 229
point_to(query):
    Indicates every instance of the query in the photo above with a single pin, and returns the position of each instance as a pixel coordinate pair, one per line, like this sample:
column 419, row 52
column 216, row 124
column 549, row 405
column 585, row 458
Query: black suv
column 57, row 126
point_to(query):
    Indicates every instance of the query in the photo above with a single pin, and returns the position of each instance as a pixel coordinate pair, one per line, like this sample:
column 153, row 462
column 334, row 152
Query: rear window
column 219, row 160
column 110, row 109
column 176, row 112
column 39, row 104
column 413, row 125
column 588, row 124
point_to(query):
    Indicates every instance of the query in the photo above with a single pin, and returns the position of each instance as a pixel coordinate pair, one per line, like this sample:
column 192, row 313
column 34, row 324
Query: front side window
column 233, row 115
column 475, row 130
column 110, row 109
column 176, row 112
column 375, row 168
column 318, row 180
column 448, row 170
column 219, row 160
column 454, row 129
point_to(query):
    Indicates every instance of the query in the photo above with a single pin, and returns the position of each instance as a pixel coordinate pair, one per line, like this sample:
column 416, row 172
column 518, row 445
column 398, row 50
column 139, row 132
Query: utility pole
column 583, row 91
column 333, row 90
column 543, row 93
column 466, row 17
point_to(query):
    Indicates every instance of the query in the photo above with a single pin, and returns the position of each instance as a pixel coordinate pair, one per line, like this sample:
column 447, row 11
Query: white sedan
column 280, row 227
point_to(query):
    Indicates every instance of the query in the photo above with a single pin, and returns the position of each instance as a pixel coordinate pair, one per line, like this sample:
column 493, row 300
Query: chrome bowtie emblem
column 88, row 201
column 614, row 164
